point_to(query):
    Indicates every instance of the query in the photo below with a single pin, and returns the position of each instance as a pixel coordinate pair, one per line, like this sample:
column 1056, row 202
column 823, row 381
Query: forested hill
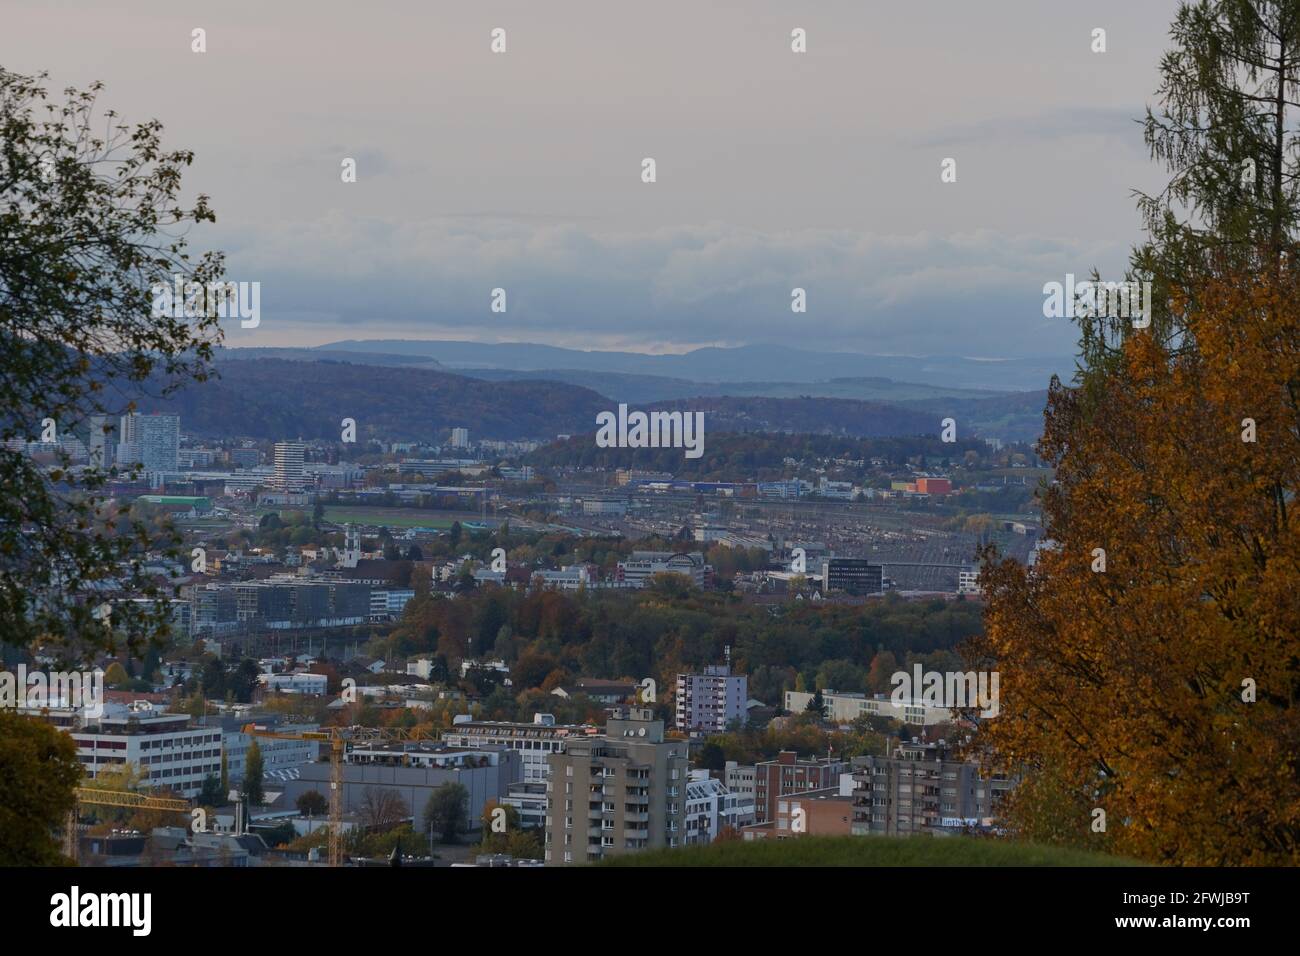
column 277, row 398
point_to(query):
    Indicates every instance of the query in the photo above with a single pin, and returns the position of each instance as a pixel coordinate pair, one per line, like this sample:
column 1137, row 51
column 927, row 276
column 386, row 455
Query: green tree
column 311, row 803
column 445, row 811
column 38, row 773
column 89, row 222
column 253, row 774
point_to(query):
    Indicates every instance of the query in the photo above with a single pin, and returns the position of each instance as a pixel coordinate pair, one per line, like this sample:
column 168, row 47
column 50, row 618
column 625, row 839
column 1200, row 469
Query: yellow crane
column 338, row 738
column 113, row 798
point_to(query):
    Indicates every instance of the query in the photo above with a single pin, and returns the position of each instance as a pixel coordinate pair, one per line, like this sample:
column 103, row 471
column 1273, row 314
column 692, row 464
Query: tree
column 36, row 789
column 1149, row 663
column 817, row 704
column 89, row 224
column 253, row 773
column 211, row 795
column 445, row 811
column 311, row 803
column 382, row 808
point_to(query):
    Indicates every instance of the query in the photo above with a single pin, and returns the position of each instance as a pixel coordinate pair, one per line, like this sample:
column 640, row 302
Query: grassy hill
column 868, row 851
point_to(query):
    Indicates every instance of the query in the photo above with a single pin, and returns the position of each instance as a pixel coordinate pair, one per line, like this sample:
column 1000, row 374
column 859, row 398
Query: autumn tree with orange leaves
column 1150, row 660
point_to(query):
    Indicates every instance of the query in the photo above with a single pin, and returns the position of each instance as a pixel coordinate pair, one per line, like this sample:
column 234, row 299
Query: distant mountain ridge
column 748, row 363
column 279, row 398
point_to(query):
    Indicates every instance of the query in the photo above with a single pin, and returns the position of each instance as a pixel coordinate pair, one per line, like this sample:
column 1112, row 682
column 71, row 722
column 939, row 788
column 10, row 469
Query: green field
column 868, row 851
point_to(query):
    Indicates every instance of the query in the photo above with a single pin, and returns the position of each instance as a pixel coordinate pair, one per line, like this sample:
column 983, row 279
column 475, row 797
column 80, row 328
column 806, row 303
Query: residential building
column 712, row 808
column 787, row 775
column 618, row 793
column 289, row 457
column 922, row 787
column 708, row 703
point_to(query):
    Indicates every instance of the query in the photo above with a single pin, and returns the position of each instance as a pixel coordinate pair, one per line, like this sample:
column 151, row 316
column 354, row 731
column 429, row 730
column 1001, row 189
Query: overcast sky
column 523, row 170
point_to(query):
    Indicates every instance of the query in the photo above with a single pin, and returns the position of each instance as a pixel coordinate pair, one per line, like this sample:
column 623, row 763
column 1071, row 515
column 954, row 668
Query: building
column 414, row 770
column 298, row 682
column 934, row 486
column 922, row 787
column 712, row 808
column 787, row 775
column 739, row 779
column 708, row 703
column 618, row 793
column 151, row 441
column 845, row 708
column 534, row 742
column 968, row 581
column 853, row 576
column 289, row 457
column 602, row 691
column 101, row 442
column 641, row 566
column 278, row 755
column 169, row 753
column 460, row 438
column 826, row 812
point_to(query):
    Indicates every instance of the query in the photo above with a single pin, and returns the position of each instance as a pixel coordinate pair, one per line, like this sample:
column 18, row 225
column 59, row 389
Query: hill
column 746, row 363
column 868, row 851
column 295, row 397
column 273, row 398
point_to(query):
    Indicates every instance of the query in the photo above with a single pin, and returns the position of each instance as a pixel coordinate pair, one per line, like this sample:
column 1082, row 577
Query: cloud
column 664, row 288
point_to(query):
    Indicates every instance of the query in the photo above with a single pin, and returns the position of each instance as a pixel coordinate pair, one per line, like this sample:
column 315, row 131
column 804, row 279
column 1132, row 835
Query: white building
column 709, row 702
column 534, row 742
column 289, row 474
column 169, row 753
column 711, row 807
column 968, row 582
column 300, row 682
column 845, row 708
column 641, row 566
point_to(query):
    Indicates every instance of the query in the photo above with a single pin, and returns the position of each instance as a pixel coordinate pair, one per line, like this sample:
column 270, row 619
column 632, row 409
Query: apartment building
column 922, row 787
column 289, row 459
column 788, row 774
column 712, row 808
column 618, row 793
column 707, row 703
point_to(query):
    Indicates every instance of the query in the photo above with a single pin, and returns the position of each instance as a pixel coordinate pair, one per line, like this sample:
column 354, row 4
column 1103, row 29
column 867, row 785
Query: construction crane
column 113, row 798
column 338, row 738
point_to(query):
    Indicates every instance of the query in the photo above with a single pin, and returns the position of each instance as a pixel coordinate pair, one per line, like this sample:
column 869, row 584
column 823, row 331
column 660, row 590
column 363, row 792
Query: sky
column 522, row 170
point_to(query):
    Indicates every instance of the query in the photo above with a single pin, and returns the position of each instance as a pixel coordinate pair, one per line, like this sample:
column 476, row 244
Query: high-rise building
column 709, row 702
column 160, row 442
column 619, row 793
column 150, row 441
column 460, row 438
column 289, row 457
